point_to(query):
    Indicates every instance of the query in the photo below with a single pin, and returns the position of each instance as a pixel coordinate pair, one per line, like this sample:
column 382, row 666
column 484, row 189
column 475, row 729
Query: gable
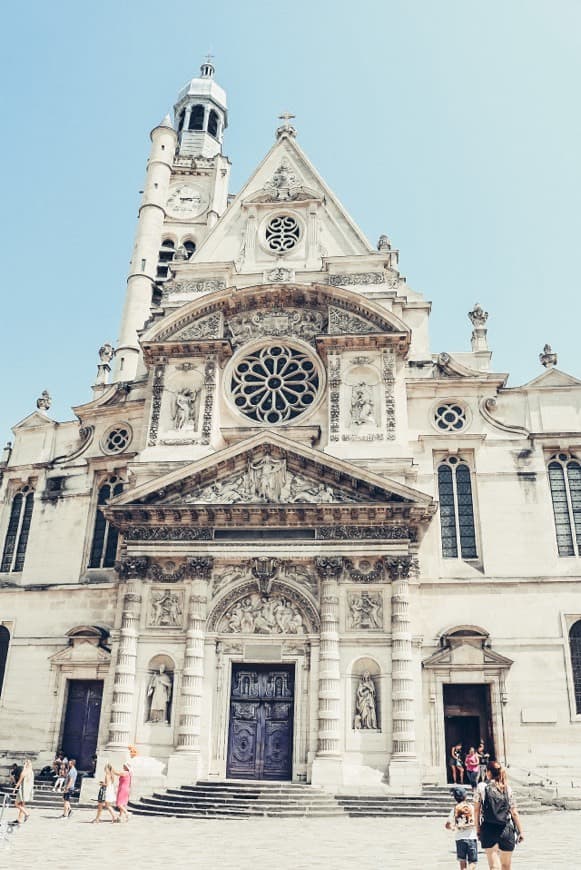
column 285, row 182
column 552, row 378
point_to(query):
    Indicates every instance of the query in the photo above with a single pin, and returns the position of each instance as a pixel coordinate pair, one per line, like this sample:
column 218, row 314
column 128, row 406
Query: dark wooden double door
column 81, row 727
column 261, row 722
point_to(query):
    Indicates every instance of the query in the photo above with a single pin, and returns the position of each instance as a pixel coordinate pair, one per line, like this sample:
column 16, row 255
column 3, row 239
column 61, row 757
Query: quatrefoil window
column 275, row 383
column 450, row 417
column 282, row 233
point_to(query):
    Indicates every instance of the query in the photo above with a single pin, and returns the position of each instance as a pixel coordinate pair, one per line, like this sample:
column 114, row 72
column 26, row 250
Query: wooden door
column 261, row 722
column 81, row 728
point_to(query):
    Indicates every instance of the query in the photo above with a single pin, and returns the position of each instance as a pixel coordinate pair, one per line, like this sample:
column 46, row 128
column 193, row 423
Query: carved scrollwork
column 401, row 567
column 131, row 567
column 329, row 567
column 341, row 321
column 357, row 533
column 366, row 572
column 168, row 533
column 344, row 280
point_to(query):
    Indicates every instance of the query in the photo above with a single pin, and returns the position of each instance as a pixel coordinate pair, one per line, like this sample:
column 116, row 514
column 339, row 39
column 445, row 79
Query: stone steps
column 43, row 795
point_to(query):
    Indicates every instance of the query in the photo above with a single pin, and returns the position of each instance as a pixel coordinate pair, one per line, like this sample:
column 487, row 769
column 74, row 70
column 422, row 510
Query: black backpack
column 496, row 806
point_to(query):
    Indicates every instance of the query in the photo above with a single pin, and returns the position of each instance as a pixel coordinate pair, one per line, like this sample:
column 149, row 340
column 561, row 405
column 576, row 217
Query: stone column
column 403, row 772
column 132, row 572
column 184, row 764
column 328, row 763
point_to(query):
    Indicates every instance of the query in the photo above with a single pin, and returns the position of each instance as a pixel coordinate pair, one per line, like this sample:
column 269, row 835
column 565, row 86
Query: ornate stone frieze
column 210, row 389
column 357, row 533
column 209, row 326
column 206, row 285
column 166, row 609
column 261, row 614
column 365, row 572
column 168, row 533
column 365, row 611
column 388, row 377
column 157, row 394
column 344, row 280
column 341, row 321
column 279, row 275
column 264, row 572
column 300, row 323
column 268, row 481
column 132, row 566
column 169, row 572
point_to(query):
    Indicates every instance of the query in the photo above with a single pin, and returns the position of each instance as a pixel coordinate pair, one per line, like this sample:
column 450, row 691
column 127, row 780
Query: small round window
column 117, row 439
column 275, row 383
column 450, row 417
column 282, row 233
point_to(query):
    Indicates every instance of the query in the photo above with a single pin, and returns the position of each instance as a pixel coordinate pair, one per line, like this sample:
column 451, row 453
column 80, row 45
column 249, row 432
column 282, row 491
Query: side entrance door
column 261, row 722
column 82, row 716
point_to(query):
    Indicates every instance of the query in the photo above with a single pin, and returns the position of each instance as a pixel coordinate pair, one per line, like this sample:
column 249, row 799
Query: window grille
column 565, row 482
column 105, row 536
column 575, row 648
column 456, row 509
column 282, row 233
column 18, row 530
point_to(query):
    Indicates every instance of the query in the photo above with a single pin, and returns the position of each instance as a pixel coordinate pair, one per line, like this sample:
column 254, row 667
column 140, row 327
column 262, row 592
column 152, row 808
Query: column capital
column 132, row 567
column 329, row 567
column 201, row 567
column 401, row 567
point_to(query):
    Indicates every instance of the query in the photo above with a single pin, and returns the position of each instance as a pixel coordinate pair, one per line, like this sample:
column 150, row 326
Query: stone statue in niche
column 362, row 405
column 262, row 614
column 185, row 409
column 159, row 692
column 365, row 704
column 166, row 609
column 366, row 610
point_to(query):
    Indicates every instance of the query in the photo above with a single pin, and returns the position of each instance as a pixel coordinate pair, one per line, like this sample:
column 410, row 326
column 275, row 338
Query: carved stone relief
column 265, row 571
column 343, row 280
column 168, row 533
column 387, row 533
column 166, row 608
column 157, row 393
column 209, row 326
column 284, row 184
column 334, row 396
column 179, row 417
column 361, row 399
column 261, row 614
column 388, row 378
column 268, row 481
column 341, row 321
column 159, row 694
column 366, row 571
column 365, row 611
column 206, row 285
column 365, row 704
column 296, row 322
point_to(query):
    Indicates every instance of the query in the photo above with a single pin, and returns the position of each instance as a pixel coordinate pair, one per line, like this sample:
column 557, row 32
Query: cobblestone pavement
column 338, row 844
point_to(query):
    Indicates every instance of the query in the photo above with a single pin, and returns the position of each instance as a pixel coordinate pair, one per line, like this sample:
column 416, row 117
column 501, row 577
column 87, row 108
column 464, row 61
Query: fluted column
column 122, row 707
column 327, row 765
column 403, row 769
column 192, row 683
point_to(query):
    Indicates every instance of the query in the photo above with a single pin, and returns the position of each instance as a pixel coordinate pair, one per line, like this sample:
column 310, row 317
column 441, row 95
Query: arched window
column 575, row 647
column 565, row 483
column 166, row 255
column 190, row 247
column 213, row 122
column 18, row 530
column 4, row 643
column 181, row 120
column 104, row 546
column 456, row 509
column 196, row 121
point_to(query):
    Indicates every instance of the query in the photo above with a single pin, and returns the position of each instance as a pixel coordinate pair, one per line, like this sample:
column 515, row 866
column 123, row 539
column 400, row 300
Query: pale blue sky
column 453, row 126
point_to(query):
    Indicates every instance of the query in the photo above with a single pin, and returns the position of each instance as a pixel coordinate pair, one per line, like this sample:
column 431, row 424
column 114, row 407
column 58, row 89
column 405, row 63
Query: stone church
column 285, row 540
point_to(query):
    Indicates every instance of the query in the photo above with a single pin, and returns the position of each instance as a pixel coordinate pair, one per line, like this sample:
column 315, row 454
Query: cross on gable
column 286, row 117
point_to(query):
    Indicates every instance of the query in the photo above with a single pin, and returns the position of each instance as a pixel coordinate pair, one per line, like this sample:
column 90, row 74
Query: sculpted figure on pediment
column 263, row 614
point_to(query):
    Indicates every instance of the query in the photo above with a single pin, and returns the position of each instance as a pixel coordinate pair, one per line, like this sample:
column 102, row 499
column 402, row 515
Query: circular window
column 282, row 233
column 117, row 439
column 275, row 383
column 450, row 417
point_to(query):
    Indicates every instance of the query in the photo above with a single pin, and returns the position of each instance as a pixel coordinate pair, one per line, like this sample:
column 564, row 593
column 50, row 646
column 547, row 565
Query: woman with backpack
column 498, row 826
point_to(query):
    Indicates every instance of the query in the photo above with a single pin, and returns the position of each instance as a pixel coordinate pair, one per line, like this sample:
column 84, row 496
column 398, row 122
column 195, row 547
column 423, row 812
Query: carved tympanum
column 263, row 614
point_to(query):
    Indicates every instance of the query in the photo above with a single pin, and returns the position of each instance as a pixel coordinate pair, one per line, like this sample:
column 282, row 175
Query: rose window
column 117, row 439
column 282, row 233
column 275, row 383
column 450, row 417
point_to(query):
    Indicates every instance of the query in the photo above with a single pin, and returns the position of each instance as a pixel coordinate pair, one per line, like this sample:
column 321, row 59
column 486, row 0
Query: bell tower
column 201, row 115
column 185, row 193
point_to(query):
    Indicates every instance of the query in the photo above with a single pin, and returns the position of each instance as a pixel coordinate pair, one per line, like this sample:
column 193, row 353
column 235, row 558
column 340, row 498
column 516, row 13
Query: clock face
column 186, row 201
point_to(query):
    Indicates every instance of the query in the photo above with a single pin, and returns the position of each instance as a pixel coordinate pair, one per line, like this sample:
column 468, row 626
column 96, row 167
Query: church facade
column 285, row 540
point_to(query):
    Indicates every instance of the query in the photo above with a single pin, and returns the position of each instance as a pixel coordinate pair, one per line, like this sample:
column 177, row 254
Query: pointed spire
column 166, row 122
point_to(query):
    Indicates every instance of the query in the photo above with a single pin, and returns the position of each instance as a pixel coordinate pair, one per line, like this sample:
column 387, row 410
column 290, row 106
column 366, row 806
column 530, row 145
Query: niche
column 366, row 695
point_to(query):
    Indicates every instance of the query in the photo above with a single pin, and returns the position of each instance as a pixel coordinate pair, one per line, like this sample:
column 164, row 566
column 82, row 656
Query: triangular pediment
column 552, row 378
column 36, row 420
column 471, row 654
column 271, row 470
column 81, row 653
column 284, row 180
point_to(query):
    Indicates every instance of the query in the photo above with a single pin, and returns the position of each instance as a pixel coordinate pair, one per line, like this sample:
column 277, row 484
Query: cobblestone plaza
column 552, row 841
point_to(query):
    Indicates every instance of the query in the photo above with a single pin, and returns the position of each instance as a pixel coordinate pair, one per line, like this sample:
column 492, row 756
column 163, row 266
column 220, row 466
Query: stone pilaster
column 132, row 572
column 327, row 766
column 403, row 773
column 185, row 763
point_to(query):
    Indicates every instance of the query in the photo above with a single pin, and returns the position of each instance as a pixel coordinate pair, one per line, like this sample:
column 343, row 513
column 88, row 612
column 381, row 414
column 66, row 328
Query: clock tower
column 185, row 192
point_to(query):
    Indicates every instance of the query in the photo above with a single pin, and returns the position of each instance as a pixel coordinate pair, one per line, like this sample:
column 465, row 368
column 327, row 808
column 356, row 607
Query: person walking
column 484, row 758
column 456, row 765
column 461, row 821
column 24, row 791
column 472, row 765
column 107, row 794
column 498, row 824
column 123, row 791
column 69, row 787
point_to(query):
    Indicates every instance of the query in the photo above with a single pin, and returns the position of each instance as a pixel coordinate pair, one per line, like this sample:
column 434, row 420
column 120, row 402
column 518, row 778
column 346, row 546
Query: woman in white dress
column 107, row 794
column 24, row 791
